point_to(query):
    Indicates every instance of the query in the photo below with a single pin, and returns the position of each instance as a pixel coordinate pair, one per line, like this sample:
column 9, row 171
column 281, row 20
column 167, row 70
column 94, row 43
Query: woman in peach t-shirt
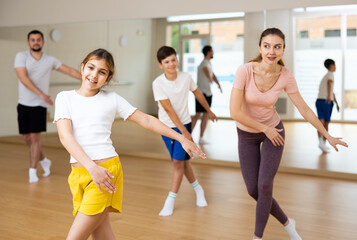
column 261, row 134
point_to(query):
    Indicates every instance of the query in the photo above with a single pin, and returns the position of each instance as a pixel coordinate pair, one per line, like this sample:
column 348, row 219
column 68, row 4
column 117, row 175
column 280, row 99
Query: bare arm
column 69, row 71
column 202, row 100
column 166, row 104
column 238, row 115
column 329, row 87
column 212, row 78
column 101, row 176
column 310, row 116
column 337, row 106
column 27, row 82
column 153, row 124
column 208, row 74
column 216, row 81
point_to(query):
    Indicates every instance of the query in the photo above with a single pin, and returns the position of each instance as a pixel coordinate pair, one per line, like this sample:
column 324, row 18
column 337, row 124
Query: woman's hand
column 274, row 136
column 336, row 141
column 190, row 148
column 102, row 177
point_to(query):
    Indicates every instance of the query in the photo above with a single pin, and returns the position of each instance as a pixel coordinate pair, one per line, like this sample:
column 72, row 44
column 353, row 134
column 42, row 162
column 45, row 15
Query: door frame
column 207, row 37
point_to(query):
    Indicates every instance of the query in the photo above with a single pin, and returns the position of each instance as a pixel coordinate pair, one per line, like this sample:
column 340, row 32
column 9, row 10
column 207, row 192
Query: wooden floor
column 324, row 208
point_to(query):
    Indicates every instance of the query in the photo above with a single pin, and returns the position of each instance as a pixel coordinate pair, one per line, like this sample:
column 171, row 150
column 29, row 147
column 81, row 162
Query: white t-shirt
column 323, row 86
column 39, row 72
column 92, row 119
column 177, row 92
column 203, row 82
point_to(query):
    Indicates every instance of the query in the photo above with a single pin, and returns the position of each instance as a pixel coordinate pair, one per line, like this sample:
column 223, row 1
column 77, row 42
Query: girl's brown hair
column 266, row 32
column 101, row 53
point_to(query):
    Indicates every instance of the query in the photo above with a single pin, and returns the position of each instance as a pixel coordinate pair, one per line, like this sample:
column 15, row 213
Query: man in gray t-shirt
column 33, row 69
column 205, row 77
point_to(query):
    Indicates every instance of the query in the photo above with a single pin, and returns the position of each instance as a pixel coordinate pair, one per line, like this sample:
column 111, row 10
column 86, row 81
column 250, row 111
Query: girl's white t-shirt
column 92, row 119
column 177, row 92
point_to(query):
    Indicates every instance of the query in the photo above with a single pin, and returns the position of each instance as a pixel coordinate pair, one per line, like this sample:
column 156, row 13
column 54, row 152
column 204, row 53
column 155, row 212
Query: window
column 351, row 32
column 228, row 44
column 303, row 34
column 322, row 42
column 227, row 40
column 330, row 36
column 333, row 33
column 172, row 36
column 350, row 86
column 195, row 28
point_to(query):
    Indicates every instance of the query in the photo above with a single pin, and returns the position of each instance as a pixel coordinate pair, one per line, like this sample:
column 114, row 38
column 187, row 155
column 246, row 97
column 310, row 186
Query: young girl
column 84, row 119
column 256, row 89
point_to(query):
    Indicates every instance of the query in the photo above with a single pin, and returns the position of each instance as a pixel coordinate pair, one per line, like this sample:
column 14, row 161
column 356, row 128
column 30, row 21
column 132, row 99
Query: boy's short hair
column 206, row 49
column 328, row 62
column 34, row 32
column 164, row 52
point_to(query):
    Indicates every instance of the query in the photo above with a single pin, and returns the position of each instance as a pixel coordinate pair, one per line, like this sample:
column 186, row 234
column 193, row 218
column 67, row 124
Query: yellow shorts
column 87, row 198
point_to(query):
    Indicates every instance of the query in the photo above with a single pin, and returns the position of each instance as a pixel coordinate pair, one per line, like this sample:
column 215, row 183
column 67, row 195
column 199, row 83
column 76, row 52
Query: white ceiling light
column 204, row 16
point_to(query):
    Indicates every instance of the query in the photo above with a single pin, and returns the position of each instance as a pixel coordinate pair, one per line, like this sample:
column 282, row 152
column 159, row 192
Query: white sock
column 46, row 164
column 33, row 175
column 200, row 194
column 168, row 208
column 321, row 140
column 290, row 228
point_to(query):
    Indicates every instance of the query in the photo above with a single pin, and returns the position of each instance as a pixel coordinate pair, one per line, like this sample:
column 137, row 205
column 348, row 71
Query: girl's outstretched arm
column 153, row 124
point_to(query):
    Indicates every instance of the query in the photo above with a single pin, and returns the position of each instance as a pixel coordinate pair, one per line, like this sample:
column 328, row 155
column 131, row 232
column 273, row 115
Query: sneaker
column 323, row 147
column 202, row 141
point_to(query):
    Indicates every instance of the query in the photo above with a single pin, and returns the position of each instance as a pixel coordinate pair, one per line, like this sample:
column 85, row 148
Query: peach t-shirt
column 261, row 105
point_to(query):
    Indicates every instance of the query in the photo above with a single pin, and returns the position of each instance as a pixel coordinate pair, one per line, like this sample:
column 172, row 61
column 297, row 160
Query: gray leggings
column 259, row 161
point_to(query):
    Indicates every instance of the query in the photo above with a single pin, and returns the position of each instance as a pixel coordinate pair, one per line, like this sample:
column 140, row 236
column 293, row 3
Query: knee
column 35, row 138
column 265, row 189
column 253, row 192
column 205, row 115
column 197, row 116
column 178, row 165
column 27, row 139
column 187, row 164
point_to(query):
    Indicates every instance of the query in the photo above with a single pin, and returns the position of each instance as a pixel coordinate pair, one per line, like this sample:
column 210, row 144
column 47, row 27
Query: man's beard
column 36, row 49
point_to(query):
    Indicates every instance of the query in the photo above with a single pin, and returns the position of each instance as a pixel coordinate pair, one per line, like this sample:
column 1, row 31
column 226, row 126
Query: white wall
column 133, row 62
column 32, row 12
column 136, row 62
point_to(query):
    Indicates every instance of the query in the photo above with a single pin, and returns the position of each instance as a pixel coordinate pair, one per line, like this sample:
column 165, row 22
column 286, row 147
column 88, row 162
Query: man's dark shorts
column 31, row 119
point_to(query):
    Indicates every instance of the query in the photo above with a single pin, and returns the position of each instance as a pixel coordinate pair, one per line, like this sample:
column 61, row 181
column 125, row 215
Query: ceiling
column 38, row 12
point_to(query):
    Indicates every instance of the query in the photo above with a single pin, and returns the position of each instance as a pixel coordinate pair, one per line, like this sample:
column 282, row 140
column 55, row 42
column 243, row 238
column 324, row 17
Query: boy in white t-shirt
column 171, row 92
column 325, row 99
